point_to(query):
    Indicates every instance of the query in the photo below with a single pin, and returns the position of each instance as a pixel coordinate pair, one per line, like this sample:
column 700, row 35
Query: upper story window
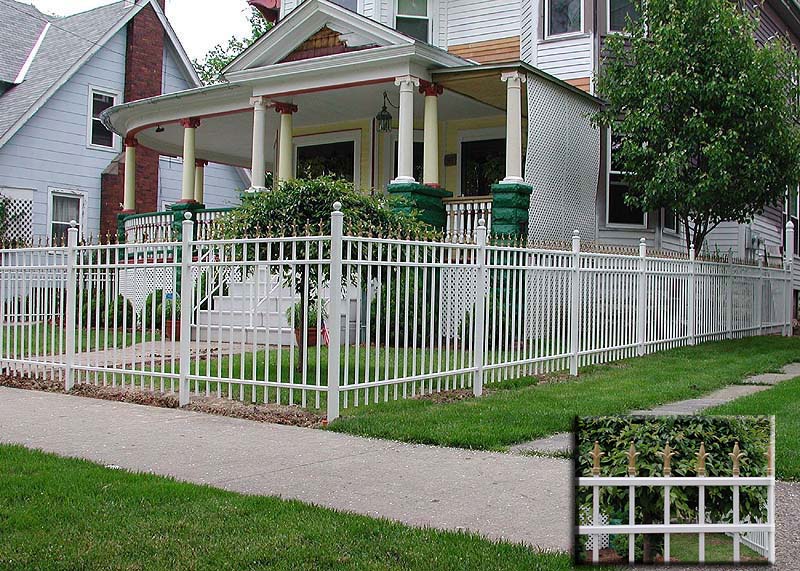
column 98, row 135
column 412, row 19
column 351, row 5
column 563, row 17
column 618, row 12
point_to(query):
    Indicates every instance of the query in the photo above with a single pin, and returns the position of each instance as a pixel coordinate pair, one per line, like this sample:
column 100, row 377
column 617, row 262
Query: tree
column 707, row 117
column 215, row 60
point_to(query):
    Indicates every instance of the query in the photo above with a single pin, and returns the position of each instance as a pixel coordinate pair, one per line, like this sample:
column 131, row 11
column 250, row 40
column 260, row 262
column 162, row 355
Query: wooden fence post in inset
column 575, row 304
column 760, row 294
column 691, row 326
column 335, row 311
column 789, row 261
column 71, row 308
column 641, row 302
column 480, row 310
column 729, row 299
column 185, row 353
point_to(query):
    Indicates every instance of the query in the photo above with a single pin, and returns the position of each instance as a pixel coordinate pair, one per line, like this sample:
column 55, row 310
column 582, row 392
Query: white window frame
column 70, row 193
column 609, row 172
column 549, row 36
column 116, row 140
column 429, row 17
column 470, row 136
column 347, row 136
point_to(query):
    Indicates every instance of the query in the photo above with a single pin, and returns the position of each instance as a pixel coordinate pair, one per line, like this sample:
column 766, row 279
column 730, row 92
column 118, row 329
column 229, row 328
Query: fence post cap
column 337, row 206
column 643, row 240
column 481, row 223
column 187, row 215
column 73, row 223
column 576, row 233
column 789, row 225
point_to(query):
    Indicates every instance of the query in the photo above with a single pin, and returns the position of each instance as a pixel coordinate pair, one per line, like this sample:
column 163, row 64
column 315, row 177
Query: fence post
column 690, row 316
column 729, row 298
column 641, row 302
column 335, row 311
column 788, row 263
column 71, row 308
column 187, row 232
column 480, row 310
column 760, row 294
column 575, row 303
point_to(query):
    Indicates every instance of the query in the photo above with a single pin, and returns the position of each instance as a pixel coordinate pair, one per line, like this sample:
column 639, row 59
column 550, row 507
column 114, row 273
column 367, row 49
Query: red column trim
column 285, row 108
column 200, row 163
column 190, row 123
column 430, row 89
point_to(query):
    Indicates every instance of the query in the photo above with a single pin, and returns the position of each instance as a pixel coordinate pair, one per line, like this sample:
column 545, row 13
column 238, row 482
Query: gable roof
column 306, row 20
column 68, row 43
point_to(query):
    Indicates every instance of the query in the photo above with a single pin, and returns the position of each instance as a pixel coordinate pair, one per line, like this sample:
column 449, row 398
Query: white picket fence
column 404, row 317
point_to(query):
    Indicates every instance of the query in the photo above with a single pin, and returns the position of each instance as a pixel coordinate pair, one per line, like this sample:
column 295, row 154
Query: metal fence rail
column 346, row 320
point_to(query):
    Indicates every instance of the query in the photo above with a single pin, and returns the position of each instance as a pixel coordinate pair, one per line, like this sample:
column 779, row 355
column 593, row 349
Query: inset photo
column 677, row 489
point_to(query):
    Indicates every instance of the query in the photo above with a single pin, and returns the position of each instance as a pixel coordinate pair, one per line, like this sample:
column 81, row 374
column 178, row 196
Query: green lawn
column 48, row 339
column 520, row 413
column 719, row 549
column 68, row 514
column 782, row 400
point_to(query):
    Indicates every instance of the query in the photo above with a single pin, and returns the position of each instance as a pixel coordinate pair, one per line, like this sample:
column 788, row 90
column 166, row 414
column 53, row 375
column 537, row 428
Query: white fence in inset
column 409, row 316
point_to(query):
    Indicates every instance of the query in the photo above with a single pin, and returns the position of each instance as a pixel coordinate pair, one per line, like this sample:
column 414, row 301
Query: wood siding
column 584, row 83
column 490, row 51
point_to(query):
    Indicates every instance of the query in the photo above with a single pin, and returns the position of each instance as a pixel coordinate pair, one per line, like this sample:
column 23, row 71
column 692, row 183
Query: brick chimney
column 144, row 61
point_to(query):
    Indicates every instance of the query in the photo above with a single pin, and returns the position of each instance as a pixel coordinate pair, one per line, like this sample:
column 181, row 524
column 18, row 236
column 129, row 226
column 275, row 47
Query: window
column 64, row 207
column 618, row 11
column 412, row 18
column 564, row 17
column 351, row 5
column 618, row 211
column 98, row 135
column 670, row 220
column 327, row 159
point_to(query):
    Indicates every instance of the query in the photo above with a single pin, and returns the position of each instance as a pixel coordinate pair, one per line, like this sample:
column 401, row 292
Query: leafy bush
column 294, row 315
column 684, row 435
column 158, row 309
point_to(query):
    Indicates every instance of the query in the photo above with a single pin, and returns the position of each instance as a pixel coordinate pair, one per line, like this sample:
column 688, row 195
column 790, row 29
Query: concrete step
column 264, row 304
column 241, row 318
column 249, row 335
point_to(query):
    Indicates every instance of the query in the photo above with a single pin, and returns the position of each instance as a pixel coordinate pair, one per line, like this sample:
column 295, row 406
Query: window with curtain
column 618, row 11
column 99, row 136
column 564, row 17
column 64, row 209
column 412, row 18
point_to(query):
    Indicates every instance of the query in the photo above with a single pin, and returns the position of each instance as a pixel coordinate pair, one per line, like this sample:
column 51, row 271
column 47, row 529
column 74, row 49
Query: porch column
column 187, row 188
column 129, row 192
column 430, row 164
column 258, row 166
column 405, row 133
column 199, row 180
column 285, row 141
column 513, row 127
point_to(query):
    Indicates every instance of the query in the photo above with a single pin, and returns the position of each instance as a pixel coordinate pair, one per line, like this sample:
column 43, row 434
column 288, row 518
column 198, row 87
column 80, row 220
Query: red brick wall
column 144, row 60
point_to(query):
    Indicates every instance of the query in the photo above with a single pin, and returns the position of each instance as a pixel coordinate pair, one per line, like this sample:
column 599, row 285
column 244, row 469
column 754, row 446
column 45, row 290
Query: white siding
column 222, row 182
column 566, row 59
column 50, row 150
column 528, row 31
column 479, row 20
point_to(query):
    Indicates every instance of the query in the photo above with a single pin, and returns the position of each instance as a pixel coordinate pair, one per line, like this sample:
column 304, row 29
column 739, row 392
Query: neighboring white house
column 56, row 75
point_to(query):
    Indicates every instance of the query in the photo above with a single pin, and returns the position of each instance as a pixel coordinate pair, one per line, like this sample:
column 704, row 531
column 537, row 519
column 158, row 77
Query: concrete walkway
column 562, row 443
column 517, row 498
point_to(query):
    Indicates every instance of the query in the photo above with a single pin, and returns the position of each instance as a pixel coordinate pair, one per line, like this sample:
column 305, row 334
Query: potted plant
column 170, row 308
column 294, row 315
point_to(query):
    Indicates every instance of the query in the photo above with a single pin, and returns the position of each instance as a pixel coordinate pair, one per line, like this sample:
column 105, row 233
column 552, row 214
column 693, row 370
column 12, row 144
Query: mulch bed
column 274, row 413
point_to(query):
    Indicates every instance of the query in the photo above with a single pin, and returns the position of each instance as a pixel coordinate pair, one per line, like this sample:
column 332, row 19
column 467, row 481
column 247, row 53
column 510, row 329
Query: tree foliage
column 706, row 116
column 684, row 434
column 215, row 60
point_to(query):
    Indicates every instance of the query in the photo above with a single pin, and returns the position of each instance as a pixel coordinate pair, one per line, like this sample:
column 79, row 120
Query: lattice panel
column 458, row 298
column 18, row 223
column 562, row 163
column 586, row 519
column 137, row 284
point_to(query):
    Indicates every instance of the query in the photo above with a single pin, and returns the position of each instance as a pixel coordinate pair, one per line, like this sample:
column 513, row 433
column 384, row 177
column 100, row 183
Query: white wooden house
column 57, row 160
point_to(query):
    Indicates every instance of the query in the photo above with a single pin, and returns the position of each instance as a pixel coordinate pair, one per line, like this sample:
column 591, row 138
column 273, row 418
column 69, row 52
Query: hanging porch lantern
column 383, row 119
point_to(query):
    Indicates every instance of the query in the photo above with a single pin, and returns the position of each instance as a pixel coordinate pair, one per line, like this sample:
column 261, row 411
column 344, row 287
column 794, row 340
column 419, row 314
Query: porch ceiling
column 225, row 132
column 481, row 85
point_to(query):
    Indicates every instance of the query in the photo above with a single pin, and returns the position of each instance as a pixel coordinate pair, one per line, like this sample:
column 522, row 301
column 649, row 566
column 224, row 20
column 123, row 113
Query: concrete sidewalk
column 501, row 496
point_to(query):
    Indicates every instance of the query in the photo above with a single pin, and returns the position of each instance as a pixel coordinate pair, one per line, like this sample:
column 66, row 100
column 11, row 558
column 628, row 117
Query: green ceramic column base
column 510, row 204
column 178, row 210
column 427, row 200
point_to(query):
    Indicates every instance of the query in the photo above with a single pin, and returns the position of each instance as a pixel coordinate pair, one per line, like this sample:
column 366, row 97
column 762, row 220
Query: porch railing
column 463, row 214
column 149, row 227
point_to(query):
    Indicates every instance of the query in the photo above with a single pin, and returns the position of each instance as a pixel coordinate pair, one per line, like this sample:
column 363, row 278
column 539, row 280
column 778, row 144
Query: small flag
column 325, row 334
